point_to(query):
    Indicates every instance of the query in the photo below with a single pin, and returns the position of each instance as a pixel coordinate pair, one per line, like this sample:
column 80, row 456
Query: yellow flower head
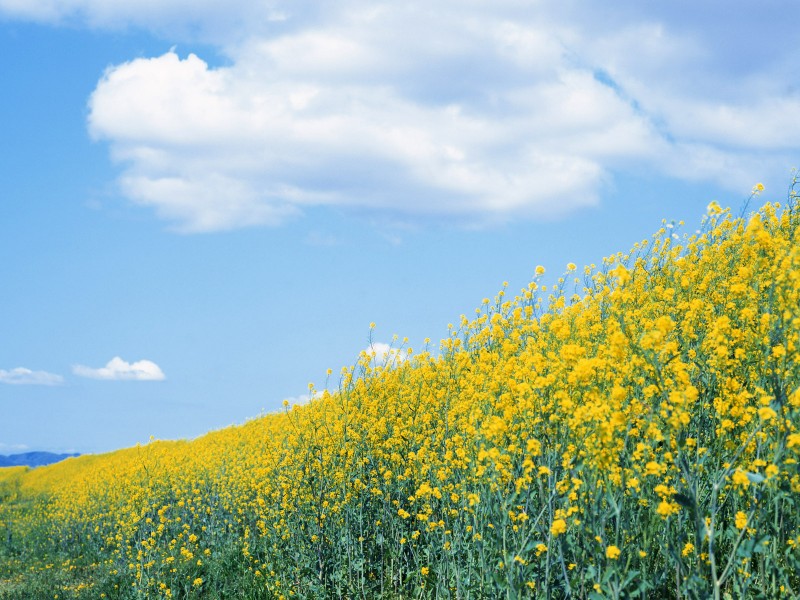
column 559, row 526
column 765, row 413
column 740, row 479
column 741, row 520
column 665, row 509
column 653, row 468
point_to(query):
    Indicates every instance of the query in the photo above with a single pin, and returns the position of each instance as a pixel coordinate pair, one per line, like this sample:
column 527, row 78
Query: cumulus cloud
column 488, row 112
column 381, row 353
column 302, row 399
column 23, row 376
column 298, row 400
column 213, row 149
column 118, row 369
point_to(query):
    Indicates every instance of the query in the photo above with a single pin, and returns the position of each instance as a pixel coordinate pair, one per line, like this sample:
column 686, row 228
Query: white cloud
column 297, row 400
column 13, row 448
column 118, row 369
column 229, row 147
column 381, row 353
column 487, row 112
column 23, row 376
column 300, row 400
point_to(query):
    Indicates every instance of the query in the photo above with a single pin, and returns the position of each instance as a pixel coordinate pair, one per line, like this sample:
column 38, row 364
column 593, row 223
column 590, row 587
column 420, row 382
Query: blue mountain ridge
column 32, row 459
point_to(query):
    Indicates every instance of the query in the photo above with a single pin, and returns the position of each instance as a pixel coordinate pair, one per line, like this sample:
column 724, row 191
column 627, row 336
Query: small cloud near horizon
column 23, row 376
column 302, row 399
column 299, row 400
column 383, row 354
column 118, row 370
column 13, row 448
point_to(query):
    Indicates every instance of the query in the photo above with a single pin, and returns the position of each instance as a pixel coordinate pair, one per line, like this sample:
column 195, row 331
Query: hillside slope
column 632, row 433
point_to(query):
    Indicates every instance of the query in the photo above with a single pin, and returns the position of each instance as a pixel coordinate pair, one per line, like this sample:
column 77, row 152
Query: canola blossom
column 632, row 433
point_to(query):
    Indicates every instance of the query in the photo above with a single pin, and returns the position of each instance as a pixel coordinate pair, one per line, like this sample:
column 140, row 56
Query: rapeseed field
column 631, row 432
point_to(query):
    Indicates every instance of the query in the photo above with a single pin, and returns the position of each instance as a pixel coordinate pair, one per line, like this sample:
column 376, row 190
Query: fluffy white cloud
column 486, row 112
column 23, row 376
column 381, row 353
column 302, row 398
column 298, row 400
column 118, row 369
column 235, row 146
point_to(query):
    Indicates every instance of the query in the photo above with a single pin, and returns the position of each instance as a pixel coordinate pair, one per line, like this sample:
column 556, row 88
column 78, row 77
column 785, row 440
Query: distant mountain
column 32, row 459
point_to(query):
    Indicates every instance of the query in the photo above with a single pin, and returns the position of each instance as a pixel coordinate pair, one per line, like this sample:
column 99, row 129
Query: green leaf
column 755, row 477
column 760, row 546
column 685, row 501
column 630, row 578
column 531, row 545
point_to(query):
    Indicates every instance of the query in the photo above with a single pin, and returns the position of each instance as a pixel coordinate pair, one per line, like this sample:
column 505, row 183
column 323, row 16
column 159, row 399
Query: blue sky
column 204, row 204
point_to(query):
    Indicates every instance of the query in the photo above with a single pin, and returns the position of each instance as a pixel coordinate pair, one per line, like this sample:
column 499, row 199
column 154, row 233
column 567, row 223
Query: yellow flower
column 765, row 413
column 665, row 509
column 740, row 479
column 198, row 582
column 687, row 549
column 424, row 571
column 622, row 274
column 559, row 526
column 612, row 552
column 653, row 468
column 741, row 520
